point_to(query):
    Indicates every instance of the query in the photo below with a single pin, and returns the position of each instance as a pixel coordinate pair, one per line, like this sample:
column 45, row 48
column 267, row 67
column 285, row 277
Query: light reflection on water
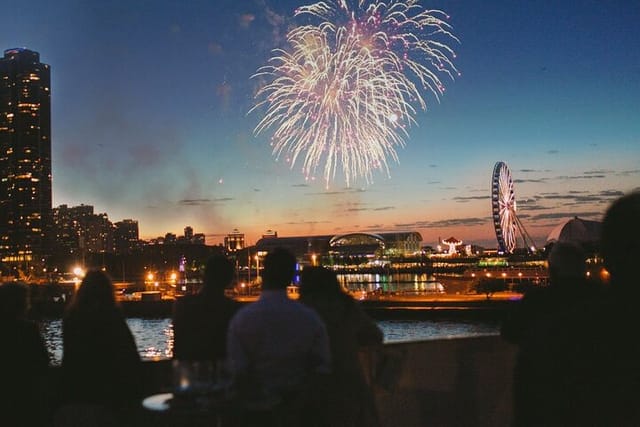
column 419, row 330
column 154, row 337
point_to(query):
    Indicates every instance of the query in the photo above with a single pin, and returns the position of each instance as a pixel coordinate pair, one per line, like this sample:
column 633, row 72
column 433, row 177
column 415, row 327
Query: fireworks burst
column 342, row 93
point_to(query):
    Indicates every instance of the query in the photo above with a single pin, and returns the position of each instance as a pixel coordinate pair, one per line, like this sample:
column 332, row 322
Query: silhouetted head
column 218, row 273
column 96, row 292
column 279, row 268
column 567, row 261
column 319, row 282
column 621, row 240
column 13, row 300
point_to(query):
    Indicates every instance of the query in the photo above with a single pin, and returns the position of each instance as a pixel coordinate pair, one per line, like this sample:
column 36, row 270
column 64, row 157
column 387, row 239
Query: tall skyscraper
column 25, row 157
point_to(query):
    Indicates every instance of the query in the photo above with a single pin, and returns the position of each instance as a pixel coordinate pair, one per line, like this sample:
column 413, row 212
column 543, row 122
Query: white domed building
column 576, row 230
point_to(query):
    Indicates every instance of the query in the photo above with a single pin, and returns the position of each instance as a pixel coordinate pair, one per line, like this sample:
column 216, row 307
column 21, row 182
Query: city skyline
column 150, row 119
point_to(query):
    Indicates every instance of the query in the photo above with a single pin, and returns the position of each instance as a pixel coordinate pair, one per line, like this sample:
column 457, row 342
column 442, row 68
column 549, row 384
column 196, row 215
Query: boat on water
column 430, row 287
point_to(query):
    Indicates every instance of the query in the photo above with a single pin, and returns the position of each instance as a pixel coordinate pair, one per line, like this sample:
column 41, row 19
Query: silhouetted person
column 200, row 322
column 607, row 377
column 101, row 366
column 277, row 347
column 23, row 361
column 533, row 321
column 585, row 362
column 351, row 401
column 567, row 286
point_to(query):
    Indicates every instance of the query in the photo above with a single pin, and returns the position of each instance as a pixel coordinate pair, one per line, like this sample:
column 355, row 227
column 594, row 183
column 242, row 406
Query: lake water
column 154, row 337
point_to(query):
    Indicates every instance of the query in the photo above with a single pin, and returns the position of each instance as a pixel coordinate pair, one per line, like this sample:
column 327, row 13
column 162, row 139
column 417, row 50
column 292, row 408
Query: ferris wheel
column 503, row 203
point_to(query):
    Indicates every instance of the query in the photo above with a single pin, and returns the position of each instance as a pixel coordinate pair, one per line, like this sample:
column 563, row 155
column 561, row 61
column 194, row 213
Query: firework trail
column 341, row 94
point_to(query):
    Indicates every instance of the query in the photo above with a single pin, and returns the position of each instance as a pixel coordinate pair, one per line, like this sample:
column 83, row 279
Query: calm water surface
column 154, row 337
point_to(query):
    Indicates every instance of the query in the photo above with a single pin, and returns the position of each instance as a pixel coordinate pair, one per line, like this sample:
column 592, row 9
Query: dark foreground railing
column 446, row 382
column 455, row 382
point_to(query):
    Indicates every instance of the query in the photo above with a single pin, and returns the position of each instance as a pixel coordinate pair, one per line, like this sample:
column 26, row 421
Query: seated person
column 100, row 363
column 200, row 321
column 24, row 361
column 277, row 347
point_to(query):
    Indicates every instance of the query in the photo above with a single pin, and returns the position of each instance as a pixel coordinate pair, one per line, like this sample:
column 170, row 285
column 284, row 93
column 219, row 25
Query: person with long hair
column 350, row 400
column 100, row 364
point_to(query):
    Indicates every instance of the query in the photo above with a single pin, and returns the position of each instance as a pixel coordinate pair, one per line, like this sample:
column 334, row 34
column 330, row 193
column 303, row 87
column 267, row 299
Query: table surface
column 158, row 402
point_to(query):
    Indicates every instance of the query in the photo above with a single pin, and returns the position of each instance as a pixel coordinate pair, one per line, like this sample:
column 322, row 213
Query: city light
column 78, row 272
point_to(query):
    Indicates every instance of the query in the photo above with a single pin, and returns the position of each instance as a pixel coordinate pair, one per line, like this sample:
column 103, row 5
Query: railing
column 455, row 382
column 447, row 382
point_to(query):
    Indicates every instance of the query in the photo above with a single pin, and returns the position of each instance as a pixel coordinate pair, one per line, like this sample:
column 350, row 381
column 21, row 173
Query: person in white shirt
column 277, row 347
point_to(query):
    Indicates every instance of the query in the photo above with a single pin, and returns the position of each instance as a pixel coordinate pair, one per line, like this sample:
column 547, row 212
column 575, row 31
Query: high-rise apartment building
column 188, row 233
column 25, row 157
column 78, row 228
column 126, row 236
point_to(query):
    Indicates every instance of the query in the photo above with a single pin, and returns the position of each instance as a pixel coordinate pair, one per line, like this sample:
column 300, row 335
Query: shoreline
column 474, row 306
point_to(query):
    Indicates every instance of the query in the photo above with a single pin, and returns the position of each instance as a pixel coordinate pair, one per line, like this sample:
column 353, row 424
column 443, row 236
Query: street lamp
column 78, row 272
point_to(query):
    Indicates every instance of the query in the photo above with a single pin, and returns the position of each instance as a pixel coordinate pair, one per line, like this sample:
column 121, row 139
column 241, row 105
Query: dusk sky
column 150, row 104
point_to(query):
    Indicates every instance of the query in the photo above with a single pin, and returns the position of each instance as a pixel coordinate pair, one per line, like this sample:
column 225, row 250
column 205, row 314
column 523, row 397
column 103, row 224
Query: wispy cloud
column 535, row 180
column 193, row 202
column 611, row 193
column 569, row 214
column 200, row 202
column 444, row 223
column 532, row 207
column 578, row 197
column 464, row 199
column 371, row 209
column 569, row 177
column 599, row 172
